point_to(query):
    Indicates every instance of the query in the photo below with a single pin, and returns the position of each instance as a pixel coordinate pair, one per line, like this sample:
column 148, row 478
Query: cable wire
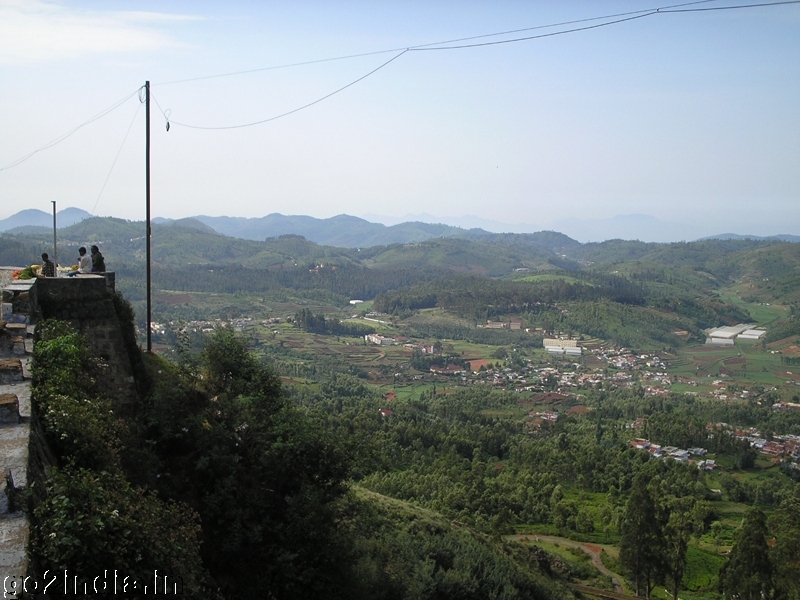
column 421, row 46
column 282, row 114
column 627, row 16
column 613, row 16
column 275, row 67
column 668, row 10
column 113, row 164
column 63, row 137
column 536, row 37
column 658, row 11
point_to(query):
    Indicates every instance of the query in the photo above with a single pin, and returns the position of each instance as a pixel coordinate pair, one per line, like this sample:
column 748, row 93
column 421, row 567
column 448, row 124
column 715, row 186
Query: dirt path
column 590, row 549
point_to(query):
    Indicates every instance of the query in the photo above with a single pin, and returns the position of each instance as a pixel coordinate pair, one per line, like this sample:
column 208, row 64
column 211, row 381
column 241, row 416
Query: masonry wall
column 86, row 303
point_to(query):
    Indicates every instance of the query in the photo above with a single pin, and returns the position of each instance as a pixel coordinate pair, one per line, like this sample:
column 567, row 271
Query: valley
column 441, row 367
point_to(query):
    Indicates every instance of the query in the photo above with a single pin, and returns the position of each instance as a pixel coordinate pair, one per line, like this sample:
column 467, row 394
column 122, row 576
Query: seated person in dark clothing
column 48, row 268
column 98, row 262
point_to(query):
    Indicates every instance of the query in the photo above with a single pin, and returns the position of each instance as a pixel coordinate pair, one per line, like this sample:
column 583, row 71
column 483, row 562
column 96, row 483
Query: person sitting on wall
column 84, row 263
column 98, row 262
column 48, row 268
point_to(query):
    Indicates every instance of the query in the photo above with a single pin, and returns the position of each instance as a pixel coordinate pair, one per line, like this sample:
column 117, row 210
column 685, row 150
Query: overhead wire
column 675, row 8
column 573, row 22
column 626, row 16
column 419, row 46
column 66, row 135
column 113, row 164
column 757, row 5
column 536, row 37
column 616, row 19
column 285, row 114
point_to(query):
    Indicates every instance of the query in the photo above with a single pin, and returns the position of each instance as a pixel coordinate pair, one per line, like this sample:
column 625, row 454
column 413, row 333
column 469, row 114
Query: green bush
column 87, row 516
column 92, row 521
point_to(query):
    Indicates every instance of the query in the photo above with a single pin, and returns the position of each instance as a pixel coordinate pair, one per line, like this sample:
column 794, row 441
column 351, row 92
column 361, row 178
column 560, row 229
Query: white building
column 374, row 338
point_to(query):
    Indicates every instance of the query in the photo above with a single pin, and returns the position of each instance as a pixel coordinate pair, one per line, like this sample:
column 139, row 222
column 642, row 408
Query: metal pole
column 55, row 246
column 147, row 183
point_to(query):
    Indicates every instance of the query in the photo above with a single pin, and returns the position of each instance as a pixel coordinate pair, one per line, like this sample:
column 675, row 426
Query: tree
column 785, row 523
column 677, row 532
column 268, row 482
column 747, row 575
column 641, row 543
column 716, row 534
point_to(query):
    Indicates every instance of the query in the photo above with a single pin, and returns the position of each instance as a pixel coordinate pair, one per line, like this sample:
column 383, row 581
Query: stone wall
column 85, row 301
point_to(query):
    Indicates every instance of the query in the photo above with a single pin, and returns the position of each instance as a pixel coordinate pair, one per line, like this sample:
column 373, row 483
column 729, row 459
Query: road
column 590, row 549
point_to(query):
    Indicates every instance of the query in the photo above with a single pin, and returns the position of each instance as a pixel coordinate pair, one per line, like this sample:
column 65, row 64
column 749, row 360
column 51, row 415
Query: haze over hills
column 645, row 228
column 346, row 231
column 33, row 217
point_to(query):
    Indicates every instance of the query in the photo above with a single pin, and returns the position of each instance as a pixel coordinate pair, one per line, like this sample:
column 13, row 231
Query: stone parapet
column 14, row 424
column 87, row 302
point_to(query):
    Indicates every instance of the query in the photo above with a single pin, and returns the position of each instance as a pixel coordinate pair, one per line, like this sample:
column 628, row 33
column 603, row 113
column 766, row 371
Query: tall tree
column 641, row 543
column 677, row 532
column 748, row 573
column 785, row 524
column 269, row 481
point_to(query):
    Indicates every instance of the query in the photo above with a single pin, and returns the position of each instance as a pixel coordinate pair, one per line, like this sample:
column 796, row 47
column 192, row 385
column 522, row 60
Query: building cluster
column 675, row 453
column 562, row 346
column 379, row 340
column 512, row 325
column 779, row 445
column 726, row 336
column 545, row 416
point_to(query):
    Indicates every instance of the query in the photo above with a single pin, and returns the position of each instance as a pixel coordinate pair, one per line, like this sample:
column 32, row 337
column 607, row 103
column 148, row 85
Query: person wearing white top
column 84, row 263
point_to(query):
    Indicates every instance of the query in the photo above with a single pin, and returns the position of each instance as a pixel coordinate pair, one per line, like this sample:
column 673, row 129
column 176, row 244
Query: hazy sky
column 690, row 117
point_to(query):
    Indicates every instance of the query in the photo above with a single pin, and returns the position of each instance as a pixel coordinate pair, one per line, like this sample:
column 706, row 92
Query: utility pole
column 147, row 184
column 55, row 247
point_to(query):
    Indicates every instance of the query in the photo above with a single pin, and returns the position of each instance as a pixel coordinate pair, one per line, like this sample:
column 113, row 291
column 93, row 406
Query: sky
column 669, row 125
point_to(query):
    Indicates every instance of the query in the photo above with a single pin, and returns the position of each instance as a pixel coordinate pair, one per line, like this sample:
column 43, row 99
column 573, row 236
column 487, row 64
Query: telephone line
column 670, row 10
column 170, row 122
column 113, row 164
column 423, row 46
column 614, row 16
column 63, row 137
column 536, row 37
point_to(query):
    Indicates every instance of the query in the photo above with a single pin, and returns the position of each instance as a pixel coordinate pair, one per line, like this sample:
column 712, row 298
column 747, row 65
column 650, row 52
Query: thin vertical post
column 147, row 184
column 55, row 246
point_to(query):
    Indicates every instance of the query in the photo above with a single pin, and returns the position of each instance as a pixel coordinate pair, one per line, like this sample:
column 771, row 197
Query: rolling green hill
column 649, row 290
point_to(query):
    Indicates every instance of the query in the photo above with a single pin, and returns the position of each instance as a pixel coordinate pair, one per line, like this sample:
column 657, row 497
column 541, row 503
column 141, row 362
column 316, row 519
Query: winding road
column 590, row 549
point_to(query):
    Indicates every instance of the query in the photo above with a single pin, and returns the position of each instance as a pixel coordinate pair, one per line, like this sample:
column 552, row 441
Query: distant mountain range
column 345, row 231
column 33, row 217
column 342, row 231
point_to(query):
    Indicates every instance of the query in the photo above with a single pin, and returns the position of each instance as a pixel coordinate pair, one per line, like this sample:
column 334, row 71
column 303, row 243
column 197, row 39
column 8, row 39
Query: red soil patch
column 703, row 362
column 792, row 351
column 593, row 548
column 706, row 349
column 592, row 361
column 785, row 375
column 390, row 395
column 580, row 409
column 476, row 364
column 735, row 361
column 777, row 343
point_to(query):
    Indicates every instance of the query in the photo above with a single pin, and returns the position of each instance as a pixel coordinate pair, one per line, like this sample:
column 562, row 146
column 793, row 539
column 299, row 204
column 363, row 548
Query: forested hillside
column 449, row 454
column 217, row 480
